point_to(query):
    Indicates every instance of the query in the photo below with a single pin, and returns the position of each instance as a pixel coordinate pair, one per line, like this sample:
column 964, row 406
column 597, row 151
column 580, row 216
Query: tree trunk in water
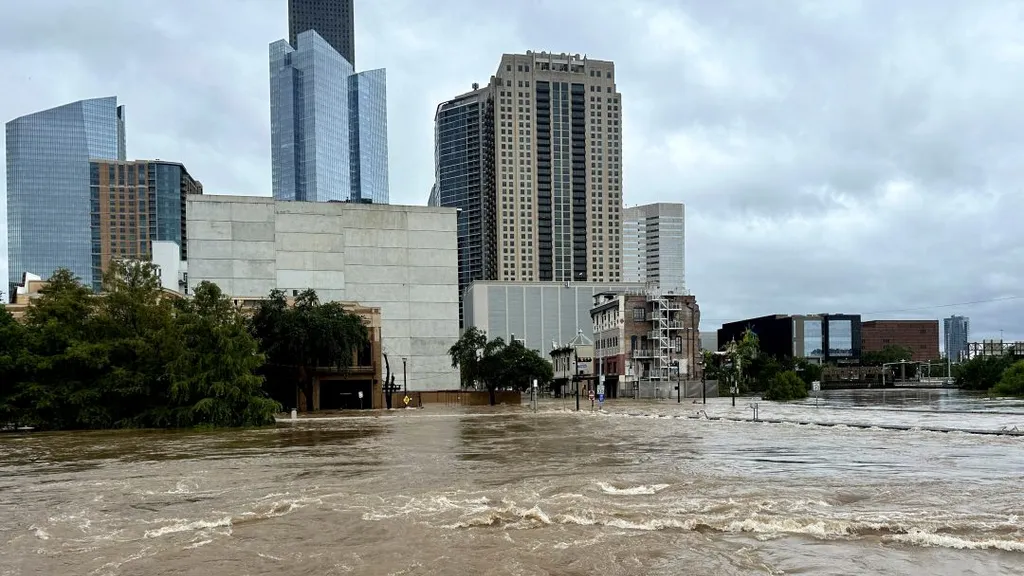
column 491, row 391
column 306, row 377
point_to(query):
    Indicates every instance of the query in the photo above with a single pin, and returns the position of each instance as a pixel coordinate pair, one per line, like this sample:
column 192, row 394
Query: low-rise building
column 920, row 336
column 572, row 362
column 646, row 341
column 538, row 313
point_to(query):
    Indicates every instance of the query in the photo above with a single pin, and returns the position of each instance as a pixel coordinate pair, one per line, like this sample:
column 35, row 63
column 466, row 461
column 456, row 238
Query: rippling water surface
column 641, row 488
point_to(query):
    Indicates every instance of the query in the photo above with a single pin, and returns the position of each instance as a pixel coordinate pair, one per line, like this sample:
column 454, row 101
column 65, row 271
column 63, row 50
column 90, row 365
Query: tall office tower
column 654, row 245
column 48, row 196
column 134, row 204
column 333, row 20
column 464, row 179
column 328, row 125
column 558, row 171
column 956, row 335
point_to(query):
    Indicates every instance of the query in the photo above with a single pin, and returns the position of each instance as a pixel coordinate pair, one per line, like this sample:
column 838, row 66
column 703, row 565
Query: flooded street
column 641, row 488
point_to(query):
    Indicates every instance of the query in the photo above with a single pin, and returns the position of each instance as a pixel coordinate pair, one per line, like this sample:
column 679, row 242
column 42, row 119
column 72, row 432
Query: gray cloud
column 842, row 155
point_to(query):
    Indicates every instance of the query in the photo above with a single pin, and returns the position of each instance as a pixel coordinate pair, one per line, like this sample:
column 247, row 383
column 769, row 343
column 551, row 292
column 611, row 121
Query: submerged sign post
column 600, row 393
column 816, row 387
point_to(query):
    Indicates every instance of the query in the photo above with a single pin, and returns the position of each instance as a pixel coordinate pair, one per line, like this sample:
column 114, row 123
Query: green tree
column 981, row 372
column 213, row 380
column 132, row 341
column 786, row 386
column 512, row 367
column 889, row 353
column 12, row 351
column 465, row 355
column 59, row 366
column 307, row 335
column 1011, row 383
column 807, row 371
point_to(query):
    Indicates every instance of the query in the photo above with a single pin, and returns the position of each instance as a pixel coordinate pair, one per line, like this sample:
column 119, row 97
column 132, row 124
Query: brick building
column 921, row 336
column 644, row 340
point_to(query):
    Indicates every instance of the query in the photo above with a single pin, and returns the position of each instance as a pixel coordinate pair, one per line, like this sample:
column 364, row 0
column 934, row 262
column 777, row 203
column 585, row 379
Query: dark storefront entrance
column 344, row 394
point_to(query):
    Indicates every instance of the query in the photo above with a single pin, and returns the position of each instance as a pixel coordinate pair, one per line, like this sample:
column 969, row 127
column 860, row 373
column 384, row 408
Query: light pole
column 405, row 377
column 703, row 383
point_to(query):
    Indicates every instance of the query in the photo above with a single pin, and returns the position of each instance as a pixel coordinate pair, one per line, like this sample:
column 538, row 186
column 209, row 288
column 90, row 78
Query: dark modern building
column 48, row 155
column 134, row 204
column 333, row 20
column 774, row 332
column 464, row 179
column 921, row 336
column 833, row 338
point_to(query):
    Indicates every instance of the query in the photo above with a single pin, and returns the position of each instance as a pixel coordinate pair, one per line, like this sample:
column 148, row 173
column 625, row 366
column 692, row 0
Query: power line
column 898, row 310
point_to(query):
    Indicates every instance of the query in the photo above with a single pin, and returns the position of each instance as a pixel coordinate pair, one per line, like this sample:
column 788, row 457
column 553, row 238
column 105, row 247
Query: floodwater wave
column 638, row 488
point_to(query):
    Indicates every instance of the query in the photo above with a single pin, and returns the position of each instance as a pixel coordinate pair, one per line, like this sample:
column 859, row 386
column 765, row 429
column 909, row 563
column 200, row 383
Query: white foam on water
column 39, row 532
column 632, row 490
column 195, row 545
column 192, row 526
column 928, row 539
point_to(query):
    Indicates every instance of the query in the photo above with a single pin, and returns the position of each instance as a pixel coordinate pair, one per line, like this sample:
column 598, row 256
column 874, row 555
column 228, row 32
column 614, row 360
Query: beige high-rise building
column 558, row 168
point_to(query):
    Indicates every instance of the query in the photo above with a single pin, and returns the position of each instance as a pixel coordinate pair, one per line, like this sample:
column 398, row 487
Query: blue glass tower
column 328, row 125
column 48, row 177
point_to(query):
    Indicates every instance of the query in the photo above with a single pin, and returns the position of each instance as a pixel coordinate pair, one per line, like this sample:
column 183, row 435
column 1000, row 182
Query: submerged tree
column 12, row 351
column 511, row 367
column 465, row 355
column 212, row 381
column 307, row 335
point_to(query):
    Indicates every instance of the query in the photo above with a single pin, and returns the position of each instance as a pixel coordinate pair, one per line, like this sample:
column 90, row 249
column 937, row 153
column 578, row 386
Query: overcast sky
column 840, row 156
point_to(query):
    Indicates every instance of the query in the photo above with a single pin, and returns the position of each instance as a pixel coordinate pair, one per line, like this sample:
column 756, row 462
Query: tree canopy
column 129, row 357
column 499, row 365
column 786, row 386
column 307, row 335
column 889, row 353
column 1011, row 383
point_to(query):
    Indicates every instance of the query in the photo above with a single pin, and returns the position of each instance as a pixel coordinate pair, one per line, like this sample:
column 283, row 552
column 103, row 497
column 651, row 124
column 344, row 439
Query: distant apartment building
column 556, row 170
column 48, row 185
column 134, row 205
column 333, row 20
column 654, row 245
column 328, row 124
column 821, row 338
column 464, row 179
column 920, row 336
column 645, row 341
column 956, row 337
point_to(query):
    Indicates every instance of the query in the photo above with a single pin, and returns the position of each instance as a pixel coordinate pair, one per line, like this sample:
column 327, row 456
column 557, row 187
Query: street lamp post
column 405, row 377
column 703, row 383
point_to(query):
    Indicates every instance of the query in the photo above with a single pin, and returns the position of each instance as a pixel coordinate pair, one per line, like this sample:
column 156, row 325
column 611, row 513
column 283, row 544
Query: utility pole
column 703, row 383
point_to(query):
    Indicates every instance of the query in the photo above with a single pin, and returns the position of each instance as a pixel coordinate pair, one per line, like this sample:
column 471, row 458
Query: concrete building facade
column 654, row 246
column 546, row 315
column 401, row 259
column 920, row 336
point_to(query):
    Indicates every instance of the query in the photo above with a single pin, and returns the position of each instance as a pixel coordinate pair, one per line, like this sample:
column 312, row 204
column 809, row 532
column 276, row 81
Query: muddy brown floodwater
column 639, row 489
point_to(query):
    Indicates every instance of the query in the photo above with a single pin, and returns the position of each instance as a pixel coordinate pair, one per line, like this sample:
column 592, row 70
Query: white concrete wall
column 403, row 259
column 167, row 257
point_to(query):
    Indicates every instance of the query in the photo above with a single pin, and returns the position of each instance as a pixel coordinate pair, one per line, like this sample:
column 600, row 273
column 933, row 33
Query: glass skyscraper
column 328, row 125
column 48, row 177
column 464, row 179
